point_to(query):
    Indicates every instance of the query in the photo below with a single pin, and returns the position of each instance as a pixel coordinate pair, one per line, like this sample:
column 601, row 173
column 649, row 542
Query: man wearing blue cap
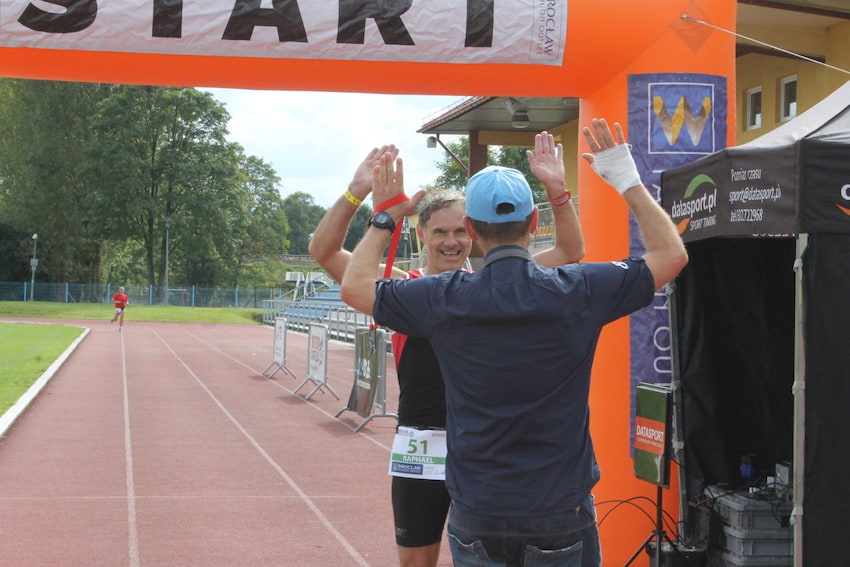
column 515, row 342
column 419, row 497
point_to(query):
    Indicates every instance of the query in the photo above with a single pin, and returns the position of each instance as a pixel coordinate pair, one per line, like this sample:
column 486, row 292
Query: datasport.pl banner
column 446, row 31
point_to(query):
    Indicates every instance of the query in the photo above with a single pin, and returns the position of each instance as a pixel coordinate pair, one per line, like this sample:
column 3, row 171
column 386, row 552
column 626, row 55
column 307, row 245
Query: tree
column 122, row 263
column 267, row 230
column 452, row 176
column 304, row 215
column 268, row 227
column 46, row 126
column 357, row 227
column 514, row 156
column 164, row 175
column 14, row 248
column 115, row 174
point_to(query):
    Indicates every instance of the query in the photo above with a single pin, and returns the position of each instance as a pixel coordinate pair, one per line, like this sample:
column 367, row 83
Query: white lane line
column 289, row 480
column 132, row 528
column 190, row 497
column 285, row 389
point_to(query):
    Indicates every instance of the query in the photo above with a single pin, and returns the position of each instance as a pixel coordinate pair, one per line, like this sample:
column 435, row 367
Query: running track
column 165, row 445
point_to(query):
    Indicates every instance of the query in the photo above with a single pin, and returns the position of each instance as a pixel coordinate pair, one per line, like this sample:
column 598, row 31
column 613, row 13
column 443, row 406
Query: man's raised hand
column 547, row 163
column 610, row 157
column 361, row 183
column 388, row 183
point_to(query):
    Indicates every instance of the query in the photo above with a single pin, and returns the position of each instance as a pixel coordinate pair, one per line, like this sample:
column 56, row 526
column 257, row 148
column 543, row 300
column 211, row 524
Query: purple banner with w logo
column 674, row 118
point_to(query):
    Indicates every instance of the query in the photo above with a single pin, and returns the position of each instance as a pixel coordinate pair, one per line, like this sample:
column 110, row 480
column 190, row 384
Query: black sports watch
column 382, row 219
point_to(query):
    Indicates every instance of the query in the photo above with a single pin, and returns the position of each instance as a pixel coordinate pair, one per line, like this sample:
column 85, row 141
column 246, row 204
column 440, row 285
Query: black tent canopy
column 761, row 317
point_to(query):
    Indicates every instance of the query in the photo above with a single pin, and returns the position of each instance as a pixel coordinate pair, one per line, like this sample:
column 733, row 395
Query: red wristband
column 400, row 198
column 561, row 199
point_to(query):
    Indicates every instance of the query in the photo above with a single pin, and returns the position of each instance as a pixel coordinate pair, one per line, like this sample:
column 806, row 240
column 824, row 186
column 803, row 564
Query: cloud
column 315, row 140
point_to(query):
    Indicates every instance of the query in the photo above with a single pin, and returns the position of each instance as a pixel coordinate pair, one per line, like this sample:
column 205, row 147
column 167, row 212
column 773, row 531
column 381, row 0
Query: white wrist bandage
column 617, row 167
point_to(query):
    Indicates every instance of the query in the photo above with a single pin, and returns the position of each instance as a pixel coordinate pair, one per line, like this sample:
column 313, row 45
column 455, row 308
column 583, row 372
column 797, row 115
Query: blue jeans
column 562, row 539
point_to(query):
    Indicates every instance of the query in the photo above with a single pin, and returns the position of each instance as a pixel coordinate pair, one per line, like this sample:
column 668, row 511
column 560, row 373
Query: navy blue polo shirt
column 515, row 342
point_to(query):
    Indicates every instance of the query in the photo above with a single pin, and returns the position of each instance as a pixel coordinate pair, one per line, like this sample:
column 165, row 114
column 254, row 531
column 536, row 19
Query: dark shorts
column 419, row 510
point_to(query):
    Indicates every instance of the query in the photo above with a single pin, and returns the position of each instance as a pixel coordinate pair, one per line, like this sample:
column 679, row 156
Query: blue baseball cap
column 498, row 194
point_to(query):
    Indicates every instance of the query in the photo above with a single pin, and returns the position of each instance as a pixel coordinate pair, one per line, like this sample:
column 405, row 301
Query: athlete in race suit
column 420, row 506
column 421, row 400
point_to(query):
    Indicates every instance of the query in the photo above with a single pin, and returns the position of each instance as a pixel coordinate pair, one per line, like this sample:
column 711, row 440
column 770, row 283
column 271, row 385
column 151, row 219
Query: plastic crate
column 757, row 543
column 740, row 511
column 736, row 560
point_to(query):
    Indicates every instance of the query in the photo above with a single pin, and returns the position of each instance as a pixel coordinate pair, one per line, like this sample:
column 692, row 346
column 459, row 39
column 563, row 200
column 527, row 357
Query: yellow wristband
column 352, row 199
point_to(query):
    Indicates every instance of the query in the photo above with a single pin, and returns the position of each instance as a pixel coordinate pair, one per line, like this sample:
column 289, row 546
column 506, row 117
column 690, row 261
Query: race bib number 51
column 419, row 454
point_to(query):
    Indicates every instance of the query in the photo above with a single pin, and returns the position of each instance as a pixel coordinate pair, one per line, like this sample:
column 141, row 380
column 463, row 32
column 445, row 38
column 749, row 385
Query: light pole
column 167, row 244
column 33, row 264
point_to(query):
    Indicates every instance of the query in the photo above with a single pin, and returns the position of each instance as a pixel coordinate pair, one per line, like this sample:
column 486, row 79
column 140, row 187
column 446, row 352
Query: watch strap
column 390, row 227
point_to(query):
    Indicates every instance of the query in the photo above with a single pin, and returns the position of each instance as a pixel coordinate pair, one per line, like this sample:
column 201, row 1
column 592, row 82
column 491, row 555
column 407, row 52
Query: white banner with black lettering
column 447, row 31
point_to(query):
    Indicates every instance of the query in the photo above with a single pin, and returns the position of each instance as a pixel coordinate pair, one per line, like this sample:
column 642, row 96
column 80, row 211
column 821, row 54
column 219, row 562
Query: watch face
column 383, row 219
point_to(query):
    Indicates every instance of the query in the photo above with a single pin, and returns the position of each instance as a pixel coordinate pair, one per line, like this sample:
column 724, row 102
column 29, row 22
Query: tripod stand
column 659, row 535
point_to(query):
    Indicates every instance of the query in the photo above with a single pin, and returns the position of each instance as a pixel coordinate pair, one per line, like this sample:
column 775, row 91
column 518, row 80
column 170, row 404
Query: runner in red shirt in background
column 120, row 300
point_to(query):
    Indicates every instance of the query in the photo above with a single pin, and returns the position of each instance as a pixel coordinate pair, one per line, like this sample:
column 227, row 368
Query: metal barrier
column 316, row 301
column 342, row 321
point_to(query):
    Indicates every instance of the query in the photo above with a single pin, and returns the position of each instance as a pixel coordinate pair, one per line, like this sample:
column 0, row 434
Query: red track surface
column 164, row 445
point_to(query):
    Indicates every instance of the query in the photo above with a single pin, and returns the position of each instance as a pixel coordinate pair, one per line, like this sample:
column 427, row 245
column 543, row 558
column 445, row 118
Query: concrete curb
column 8, row 418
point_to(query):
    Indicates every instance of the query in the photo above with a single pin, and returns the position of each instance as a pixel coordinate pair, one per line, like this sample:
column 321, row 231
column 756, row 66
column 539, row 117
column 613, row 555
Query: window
column 754, row 108
column 788, row 98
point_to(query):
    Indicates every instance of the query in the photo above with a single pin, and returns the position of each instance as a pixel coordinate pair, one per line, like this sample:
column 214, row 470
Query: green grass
column 26, row 351
column 170, row 314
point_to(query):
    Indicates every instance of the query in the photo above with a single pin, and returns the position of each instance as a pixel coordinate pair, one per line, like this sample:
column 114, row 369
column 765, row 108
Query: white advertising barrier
column 317, row 361
column 279, row 350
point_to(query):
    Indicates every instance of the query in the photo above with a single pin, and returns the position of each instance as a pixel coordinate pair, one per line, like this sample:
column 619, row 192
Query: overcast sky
column 316, row 140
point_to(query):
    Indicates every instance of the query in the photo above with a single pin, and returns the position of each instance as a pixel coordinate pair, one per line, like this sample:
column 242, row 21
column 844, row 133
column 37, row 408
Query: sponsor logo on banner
column 364, row 374
column 845, row 195
column 682, row 120
column 473, row 31
column 696, row 209
column 683, row 116
column 649, row 435
column 547, row 28
column 407, row 468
